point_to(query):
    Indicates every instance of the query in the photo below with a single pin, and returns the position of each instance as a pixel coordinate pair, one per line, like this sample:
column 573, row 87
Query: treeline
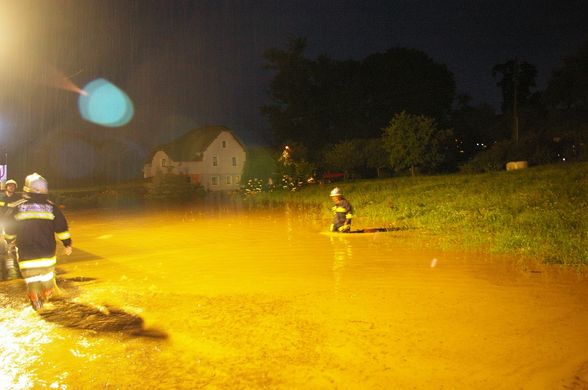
column 399, row 112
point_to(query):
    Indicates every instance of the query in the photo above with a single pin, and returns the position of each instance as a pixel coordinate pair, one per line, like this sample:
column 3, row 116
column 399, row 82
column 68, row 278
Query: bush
column 172, row 187
column 537, row 150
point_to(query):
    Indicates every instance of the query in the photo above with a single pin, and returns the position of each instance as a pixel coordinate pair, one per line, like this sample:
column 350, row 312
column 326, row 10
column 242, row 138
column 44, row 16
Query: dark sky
column 192, row 63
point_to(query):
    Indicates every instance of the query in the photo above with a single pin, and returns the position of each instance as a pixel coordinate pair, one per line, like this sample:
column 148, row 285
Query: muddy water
column 265, row 300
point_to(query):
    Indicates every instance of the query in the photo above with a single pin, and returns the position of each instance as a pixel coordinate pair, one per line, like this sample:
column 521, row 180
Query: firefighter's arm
column 62, row 230
column 9, row 237
column 348, row 216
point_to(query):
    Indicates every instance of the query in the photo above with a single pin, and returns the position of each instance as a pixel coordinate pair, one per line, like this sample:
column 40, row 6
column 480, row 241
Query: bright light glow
column 105, row 104
column 9, row 32
column 21, row 342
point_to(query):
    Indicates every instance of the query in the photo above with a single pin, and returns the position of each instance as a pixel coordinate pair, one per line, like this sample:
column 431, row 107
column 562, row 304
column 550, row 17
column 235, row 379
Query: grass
column 540, row 212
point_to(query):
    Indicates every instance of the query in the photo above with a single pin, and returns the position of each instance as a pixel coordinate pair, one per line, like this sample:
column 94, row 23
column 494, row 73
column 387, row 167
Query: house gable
column 211, row 156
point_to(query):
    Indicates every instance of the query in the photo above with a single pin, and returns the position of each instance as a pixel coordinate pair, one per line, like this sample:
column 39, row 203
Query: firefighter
column 10, row 194
column 8, row 262
column 343, row 212
column 34, row 222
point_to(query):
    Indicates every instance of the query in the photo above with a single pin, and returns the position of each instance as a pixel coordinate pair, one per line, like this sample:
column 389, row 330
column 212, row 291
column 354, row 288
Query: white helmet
column 35, row 184
column 336, row 192
column 11, row 181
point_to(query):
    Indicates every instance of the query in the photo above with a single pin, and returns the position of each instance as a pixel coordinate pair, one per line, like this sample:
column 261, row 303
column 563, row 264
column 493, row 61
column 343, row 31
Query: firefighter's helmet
column 11, row 181
column 336, row 192
column 35, row 184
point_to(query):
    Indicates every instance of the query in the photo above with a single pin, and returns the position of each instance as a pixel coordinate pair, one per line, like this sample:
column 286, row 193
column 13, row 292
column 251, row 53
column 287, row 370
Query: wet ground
column 229, row 299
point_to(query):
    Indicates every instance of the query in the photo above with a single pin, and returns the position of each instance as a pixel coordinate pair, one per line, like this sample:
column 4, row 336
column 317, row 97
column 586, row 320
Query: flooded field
column 247, row 300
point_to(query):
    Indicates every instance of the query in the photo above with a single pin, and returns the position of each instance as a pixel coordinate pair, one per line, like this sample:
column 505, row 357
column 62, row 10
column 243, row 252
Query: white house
column 211, row 156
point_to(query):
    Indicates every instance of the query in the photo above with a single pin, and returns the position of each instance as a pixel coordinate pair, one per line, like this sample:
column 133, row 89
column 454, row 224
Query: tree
column 259, row 164
column 415, row 141
column 343, row 156
column 403, row 79
column 294, row 170
column 375, row 156
column 567, row 89
column 171, row 187
column 516, row 80
column 291, row 114
column 319, row 102
column 567, row 101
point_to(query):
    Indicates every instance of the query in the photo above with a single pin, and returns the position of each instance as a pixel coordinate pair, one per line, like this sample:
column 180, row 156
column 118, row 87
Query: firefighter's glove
column 345, row 228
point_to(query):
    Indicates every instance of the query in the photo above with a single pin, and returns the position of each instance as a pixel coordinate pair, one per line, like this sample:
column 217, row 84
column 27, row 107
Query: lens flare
column 105, row 104
column 57, row 79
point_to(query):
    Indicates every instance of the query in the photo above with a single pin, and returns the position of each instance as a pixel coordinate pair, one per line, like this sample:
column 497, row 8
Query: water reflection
column 22, row 336
column 342, row 254
column 254, row 299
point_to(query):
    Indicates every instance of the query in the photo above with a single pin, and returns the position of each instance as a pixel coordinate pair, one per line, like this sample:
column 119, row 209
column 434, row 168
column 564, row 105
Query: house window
column 224, row 143
column 214, row 180
column 234, row 161
column 229, row 179
column 214, row 161
column 237, row 179
column 163, row 162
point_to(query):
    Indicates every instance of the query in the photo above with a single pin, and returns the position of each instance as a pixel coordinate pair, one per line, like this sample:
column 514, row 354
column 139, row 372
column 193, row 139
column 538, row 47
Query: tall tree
column 415, row 141
column 323, row 101
column 291, row 113
column 567, row 89
column 403, row 79
column 516, row 80
column 567, row 101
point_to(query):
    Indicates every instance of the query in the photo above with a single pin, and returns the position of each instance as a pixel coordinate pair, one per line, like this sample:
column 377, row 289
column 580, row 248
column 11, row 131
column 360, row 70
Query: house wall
column 226, row 174
column 223, row 176
column 160, row 162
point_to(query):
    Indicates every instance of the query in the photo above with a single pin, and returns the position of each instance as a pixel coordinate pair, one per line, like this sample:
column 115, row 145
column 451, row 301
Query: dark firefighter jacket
column 5, row 200
column 5, row 203
column 343, row 213
column 33, row 223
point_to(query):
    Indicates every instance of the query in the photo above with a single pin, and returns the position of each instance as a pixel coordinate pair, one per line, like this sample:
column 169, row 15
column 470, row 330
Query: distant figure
column 10, row 194
column 343, row 212
column 33, row 224
column 8, row 262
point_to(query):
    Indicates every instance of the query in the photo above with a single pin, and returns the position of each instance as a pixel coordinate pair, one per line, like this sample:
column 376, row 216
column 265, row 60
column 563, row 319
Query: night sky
column 186, row 64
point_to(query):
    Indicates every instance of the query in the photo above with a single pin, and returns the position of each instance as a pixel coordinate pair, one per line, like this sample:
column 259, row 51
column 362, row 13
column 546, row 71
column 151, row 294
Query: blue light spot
column 105, row 104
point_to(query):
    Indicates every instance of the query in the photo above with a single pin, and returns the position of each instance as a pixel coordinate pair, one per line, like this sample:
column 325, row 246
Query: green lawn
column 540, row 212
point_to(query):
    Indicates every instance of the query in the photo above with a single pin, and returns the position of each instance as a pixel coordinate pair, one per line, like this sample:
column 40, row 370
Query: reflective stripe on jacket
column 34, row 222
column 343, row 213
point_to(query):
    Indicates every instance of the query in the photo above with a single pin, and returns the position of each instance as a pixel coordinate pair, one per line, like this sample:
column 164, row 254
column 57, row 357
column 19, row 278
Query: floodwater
column 235, row 299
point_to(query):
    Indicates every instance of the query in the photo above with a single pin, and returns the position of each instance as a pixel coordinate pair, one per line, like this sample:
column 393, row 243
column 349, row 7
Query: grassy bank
column 540, row 212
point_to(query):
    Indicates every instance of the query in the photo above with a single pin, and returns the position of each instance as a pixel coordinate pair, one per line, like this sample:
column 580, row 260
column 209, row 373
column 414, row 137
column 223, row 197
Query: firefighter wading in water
column 33, row 225
column 9, row 266
column 343, row 212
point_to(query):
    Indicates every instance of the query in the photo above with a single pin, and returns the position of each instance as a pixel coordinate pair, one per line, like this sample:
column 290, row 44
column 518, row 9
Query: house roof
column 190, row 146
